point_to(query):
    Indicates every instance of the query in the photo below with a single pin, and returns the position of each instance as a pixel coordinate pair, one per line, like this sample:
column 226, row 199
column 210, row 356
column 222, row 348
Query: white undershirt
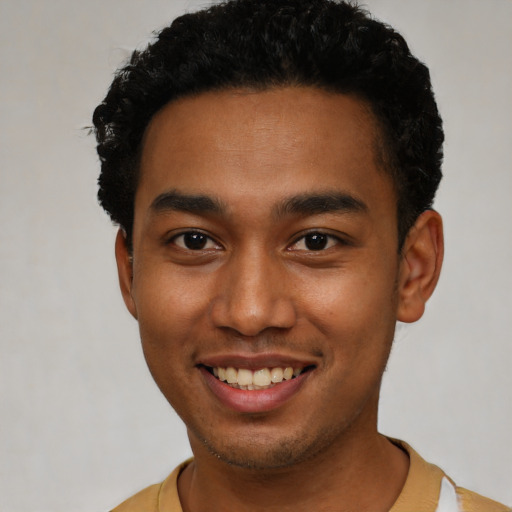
column 448, row 501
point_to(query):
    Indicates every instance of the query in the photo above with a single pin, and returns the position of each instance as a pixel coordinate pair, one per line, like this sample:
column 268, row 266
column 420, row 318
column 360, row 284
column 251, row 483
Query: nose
column 253, row 295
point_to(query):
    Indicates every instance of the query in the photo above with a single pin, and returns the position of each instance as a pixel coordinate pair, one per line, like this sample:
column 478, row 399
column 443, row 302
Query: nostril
column 251, row 318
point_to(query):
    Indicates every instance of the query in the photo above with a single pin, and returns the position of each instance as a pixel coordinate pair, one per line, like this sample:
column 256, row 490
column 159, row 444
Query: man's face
column 265, row 238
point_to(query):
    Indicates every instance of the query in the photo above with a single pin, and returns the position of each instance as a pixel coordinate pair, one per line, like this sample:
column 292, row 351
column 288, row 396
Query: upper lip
column 255, row 361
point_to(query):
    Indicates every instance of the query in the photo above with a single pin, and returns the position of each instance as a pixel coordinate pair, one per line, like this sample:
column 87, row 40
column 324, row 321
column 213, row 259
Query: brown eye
column 194, row 241
column 316, row 241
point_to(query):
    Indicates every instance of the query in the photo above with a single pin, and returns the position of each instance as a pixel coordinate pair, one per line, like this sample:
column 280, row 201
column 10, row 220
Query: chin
column 261, row 452
column 269, row 460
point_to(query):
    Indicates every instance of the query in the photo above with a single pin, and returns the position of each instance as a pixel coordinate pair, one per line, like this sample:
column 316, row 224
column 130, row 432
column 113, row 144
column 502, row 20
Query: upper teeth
column 244, row 378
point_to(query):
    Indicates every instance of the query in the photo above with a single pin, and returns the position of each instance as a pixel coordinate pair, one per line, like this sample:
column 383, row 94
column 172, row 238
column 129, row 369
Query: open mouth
column 263, row 378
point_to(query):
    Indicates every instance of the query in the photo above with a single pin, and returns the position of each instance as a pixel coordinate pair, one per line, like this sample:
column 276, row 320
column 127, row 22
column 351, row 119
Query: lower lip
column 255, row 401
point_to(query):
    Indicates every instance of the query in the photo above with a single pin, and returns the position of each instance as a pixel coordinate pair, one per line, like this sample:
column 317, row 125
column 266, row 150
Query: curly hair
column 260, row 44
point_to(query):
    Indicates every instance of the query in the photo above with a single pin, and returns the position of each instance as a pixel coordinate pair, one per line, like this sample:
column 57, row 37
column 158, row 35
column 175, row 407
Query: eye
column 315, row 241
column 194, row 241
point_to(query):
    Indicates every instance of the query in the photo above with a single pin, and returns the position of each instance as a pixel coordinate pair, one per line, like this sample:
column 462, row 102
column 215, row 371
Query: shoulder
column 144, row 501
column 428, row 489
column 157, row 497
column 473, row 502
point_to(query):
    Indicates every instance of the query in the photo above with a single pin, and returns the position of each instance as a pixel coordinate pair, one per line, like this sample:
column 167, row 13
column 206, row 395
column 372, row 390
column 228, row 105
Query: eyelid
column 338, row 238
column 171, row 239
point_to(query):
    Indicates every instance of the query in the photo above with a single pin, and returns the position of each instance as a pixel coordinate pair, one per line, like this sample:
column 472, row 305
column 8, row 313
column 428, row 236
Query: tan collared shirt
column 421, row 492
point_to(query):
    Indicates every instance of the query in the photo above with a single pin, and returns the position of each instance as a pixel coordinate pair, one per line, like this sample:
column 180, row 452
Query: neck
column 363, row 471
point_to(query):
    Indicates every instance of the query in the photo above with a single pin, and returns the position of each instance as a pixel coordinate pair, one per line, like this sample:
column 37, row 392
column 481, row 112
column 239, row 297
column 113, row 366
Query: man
column 272, row 166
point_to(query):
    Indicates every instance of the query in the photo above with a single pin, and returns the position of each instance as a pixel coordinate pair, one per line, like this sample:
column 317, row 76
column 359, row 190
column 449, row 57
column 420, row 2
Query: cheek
column 168, row 292
column 171, row 310
column 350, row 300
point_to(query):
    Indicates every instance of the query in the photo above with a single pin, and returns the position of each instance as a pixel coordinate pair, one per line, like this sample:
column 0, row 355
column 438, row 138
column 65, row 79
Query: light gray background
column 82, row 426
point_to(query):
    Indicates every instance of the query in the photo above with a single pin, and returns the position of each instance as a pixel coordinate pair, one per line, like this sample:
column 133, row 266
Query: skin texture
column 257, row 295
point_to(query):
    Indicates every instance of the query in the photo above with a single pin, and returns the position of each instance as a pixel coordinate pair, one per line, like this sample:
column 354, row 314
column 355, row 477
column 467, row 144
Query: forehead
column 254, row 145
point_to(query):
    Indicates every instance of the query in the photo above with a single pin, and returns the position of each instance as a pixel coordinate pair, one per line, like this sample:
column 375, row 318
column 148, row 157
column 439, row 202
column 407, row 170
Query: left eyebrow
column 177, row 201
column 315, row 204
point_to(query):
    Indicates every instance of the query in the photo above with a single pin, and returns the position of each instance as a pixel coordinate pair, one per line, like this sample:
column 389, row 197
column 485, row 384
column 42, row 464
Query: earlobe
column 420, row 267
column 125, row 271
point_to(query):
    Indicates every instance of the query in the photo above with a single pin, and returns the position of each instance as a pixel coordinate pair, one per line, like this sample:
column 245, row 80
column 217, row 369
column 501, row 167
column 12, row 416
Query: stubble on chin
column 264, row 453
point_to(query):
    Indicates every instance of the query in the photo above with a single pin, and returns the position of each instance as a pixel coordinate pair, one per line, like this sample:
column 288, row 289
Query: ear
column 422, row 257
column 125, row 271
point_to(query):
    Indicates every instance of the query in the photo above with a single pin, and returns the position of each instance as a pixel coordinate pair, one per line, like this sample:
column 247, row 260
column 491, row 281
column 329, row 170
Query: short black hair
column 333, row 45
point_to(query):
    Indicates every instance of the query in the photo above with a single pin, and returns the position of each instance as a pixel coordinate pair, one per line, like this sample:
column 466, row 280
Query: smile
column 263, row 378
column 245, row 386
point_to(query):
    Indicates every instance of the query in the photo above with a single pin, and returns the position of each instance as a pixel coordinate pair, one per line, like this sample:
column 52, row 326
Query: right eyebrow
column 318, row 203
column 177, row 201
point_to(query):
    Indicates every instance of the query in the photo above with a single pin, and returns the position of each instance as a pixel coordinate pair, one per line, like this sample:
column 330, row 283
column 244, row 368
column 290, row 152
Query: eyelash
column 324, row 241
column 193, row 233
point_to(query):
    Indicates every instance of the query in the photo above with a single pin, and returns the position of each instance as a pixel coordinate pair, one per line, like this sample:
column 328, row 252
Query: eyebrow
column 301, row 204
column 177, row 201
column 315, row 204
